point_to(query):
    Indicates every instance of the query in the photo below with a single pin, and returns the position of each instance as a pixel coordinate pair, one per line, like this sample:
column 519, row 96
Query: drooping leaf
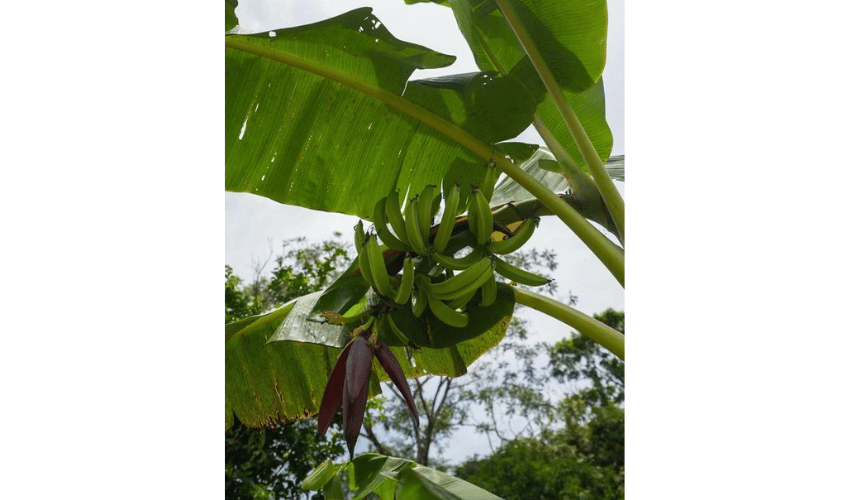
column 425, row 483
column 416, row 482
column 301, row 326
column 269, row 382
column 320, row 476
column 384, row 476
column 372, row 471
column 304, row 139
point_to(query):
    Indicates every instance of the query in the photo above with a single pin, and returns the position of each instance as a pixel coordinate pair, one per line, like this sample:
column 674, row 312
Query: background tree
column 447, row 404
column 505, row 386
column 584, row 458
column 272, row 463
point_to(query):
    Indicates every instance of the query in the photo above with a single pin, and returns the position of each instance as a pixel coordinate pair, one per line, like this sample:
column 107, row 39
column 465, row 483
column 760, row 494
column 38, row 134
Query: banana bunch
column 480, row 221
column 410, row 229
column 370, row 258
column 431, row 276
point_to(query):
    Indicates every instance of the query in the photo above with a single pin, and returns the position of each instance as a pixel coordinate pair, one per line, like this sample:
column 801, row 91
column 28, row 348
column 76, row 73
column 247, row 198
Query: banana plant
column 326, row 116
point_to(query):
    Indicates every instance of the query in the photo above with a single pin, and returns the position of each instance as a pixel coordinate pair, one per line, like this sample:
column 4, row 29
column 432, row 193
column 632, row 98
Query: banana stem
column 610, row 195
column 597, row 331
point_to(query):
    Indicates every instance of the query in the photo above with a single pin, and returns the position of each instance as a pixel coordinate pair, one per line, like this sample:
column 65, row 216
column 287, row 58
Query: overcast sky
column 256, row 226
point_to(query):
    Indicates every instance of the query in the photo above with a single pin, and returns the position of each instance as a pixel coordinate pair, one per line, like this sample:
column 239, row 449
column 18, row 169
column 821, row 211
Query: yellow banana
column 522, row 276
column 447, row 223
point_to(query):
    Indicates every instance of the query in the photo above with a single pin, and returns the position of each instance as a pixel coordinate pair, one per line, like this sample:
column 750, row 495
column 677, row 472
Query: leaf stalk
column 597, row 331
column 610, row 195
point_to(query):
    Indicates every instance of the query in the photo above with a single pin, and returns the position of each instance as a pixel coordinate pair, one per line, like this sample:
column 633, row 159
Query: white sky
column 255, row 226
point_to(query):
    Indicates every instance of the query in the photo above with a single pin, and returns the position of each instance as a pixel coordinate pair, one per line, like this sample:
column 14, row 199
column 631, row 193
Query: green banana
column 479, row 281
column 445, row 313
column 459, row 263
column 522, row 276
column 411, row 222
column 363, row 260
column 472, row 218
column 447, row 223
column 420, row 295
column 519, row 238
column 379, row 214
column 397, row 331
column 435, row 204
column 460, row 302
column 488, row 292
column 426, row 208
column 392, row 209
column 378, row 268
column 359, row 235
column 406, row 285
column 448, row 289
column 480, row 210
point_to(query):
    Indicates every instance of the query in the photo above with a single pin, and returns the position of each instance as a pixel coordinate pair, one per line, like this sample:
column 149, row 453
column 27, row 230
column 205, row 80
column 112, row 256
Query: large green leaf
column 571, row 36
column 269, row 382
column 307, row 121
column 391, row 477
column 589, row 107
column 415, row 482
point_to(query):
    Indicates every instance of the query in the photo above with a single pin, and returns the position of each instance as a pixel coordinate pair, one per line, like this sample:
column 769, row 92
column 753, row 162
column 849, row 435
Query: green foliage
column 271, row 463
column 390, row 477
column 446, row 404
column 584, row 458
column 580, row 358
